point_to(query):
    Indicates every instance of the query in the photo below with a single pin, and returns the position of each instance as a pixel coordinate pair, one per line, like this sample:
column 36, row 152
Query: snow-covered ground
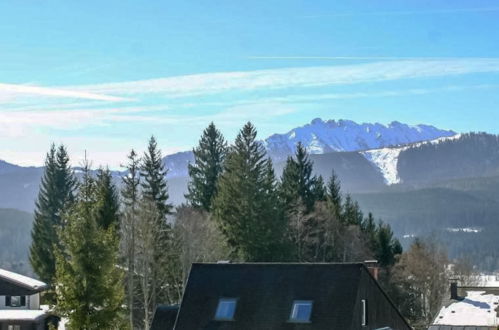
column 489, row 281
column 478, row 309
column 386, row 159
column 21, row 314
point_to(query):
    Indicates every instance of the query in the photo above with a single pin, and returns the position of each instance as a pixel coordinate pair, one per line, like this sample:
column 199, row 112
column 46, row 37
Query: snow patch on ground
column 386, row 159
column 464, row 230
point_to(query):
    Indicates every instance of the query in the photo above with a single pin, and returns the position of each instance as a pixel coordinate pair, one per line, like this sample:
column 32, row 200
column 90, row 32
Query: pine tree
column 130, row 196
column 297, row 182
column 56, row 193
column 319, row 191
column 352, row 215
column 164, row 283
column 154, row 184
column 208, row 164
column 370, row 231
column 89, row 288
column 242, row 206
column 274, row 215
column 334, row 199
column 387, row 246
column 107, row 206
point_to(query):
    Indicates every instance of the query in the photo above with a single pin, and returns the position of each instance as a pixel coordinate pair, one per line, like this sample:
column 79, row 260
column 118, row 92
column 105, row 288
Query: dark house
column 20, row 303
column 284, row 296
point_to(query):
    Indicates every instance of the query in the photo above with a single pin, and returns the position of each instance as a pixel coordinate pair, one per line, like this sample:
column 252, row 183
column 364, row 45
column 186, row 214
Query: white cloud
column 298, row 77
column 9, row 91
column 407, row 12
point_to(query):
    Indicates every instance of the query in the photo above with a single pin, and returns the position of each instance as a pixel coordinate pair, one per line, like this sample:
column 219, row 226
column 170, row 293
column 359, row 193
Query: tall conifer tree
column 242, row 205
column 208, row 164
column 56, row 193
column 334, row 198
column 89, row 288
column 107, row 207
column 155, row 190
column 319, row 191
column 387, row 246
column 153, row 172
column 352, row 215
column 297, row 183
column 130, row 193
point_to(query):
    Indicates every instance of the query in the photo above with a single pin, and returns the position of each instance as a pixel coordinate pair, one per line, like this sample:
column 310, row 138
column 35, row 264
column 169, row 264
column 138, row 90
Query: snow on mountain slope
column 386, row 159
column 321, row 137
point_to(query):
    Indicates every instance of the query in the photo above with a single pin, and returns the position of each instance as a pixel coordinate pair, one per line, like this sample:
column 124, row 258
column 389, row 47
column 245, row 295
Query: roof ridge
column 22, row 280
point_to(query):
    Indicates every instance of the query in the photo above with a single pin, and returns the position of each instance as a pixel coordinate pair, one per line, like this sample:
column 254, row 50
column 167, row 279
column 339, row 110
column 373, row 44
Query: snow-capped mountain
column 320, row 137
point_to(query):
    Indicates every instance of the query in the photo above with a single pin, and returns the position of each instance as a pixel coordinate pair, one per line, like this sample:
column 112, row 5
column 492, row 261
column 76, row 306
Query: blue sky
column 105, row 75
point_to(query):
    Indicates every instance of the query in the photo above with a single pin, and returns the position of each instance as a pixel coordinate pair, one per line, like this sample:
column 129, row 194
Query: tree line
column 113, row 252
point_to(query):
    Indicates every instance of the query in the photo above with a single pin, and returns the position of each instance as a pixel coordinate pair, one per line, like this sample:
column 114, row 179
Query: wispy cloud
column 12, row 90
column 407, row 12
column 368, row 58
column 297, row 77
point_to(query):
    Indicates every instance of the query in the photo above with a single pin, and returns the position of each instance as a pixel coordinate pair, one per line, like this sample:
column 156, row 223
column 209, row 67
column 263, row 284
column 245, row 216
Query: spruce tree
column 56, row 193
column 164, row 284
column 387, row 246
column 242, row 205
column 89, row 288
column 319, row 191
column 209, row 156
column 273, row 215
column 369, row 229
column 107, row 205
column 130, row 194
column 153, row 172
column 297, row 182
column 352, row 215
column 334, row 198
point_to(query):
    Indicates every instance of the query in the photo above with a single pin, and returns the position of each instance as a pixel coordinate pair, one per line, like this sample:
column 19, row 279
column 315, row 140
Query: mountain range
column 421, row 179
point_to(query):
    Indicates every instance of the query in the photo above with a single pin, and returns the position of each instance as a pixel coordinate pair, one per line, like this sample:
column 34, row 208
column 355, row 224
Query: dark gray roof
column 164, row 317
column 266, row 291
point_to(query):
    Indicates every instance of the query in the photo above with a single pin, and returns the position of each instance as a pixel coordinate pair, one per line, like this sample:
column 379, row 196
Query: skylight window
column 301, row 311
column 226, row 309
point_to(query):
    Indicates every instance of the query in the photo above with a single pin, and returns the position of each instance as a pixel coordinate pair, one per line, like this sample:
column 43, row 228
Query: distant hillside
column 15, row 229
column 19, row 186
column 472, row 155
column 356, row 173
column 462, row 213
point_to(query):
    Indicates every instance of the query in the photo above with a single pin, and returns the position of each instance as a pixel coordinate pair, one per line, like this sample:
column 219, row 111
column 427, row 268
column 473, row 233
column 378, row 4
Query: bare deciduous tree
column 197, row 239
column 422, row 271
